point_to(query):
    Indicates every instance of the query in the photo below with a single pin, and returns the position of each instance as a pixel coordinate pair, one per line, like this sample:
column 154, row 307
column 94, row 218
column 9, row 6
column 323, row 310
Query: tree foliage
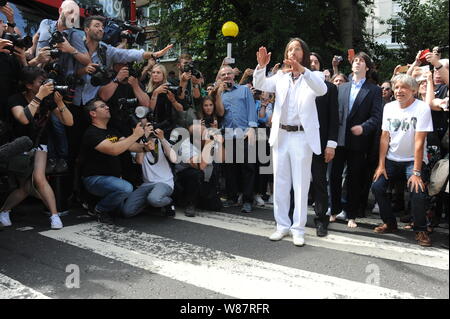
column 196, row 24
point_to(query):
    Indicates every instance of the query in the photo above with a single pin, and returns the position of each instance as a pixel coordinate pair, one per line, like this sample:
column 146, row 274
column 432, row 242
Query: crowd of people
column 133, row 138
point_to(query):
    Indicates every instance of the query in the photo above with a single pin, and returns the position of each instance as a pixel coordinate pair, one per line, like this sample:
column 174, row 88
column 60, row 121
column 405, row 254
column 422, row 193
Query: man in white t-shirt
column 406, row 123
column 158, row 178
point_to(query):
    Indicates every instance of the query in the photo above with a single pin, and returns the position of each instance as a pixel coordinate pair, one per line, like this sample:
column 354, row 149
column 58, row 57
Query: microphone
column 16, row 147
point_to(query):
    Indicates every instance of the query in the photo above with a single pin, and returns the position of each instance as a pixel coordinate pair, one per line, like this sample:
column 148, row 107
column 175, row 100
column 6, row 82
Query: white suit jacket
column 311, row 86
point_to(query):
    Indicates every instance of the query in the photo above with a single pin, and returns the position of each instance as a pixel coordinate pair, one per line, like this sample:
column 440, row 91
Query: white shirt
column 291, row 117
column 160, row 171
column 402, row 124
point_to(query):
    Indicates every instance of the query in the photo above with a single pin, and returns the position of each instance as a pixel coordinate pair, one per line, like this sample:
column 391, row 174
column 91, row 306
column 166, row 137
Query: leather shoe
column 321, row 230
column 423, row 239
column 385, row 228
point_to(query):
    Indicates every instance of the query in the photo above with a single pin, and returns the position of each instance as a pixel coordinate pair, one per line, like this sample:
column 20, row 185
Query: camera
column 17, row 41
column 209, row 119
column 229, row 85
column 127, row 103
column 134, row 72
column 62, row 89
column 53, row 69
column 173, row 88
column 3, row 3
column 101, row 76
column 140, row 113
column 116, row 30
column 55, row 53
column 189, row 67
column 442, row 49
column 339, row 58
column 56, row 38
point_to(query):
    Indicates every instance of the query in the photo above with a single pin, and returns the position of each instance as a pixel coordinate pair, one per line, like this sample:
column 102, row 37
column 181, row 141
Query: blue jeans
column 418, row 200
column 153, row 194
column 112, row 190
column 58, row 146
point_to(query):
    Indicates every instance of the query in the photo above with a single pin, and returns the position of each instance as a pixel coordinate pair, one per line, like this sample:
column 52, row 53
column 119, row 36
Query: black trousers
column 320, row 188
column 356, row 164
column 243, row 172
column 188, row 184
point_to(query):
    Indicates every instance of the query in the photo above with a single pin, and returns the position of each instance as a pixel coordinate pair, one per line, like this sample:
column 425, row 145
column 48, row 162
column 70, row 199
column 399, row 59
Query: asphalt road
column 212, row 256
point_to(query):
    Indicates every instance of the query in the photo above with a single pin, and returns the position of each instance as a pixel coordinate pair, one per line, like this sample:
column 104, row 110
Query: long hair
column 306, row 62
column 207, row 98
column 151, row 86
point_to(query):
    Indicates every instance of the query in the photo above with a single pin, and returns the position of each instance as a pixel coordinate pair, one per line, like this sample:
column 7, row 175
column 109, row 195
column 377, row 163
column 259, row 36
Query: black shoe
column 321, row 230
column 101, row 217
column 169, row 210
column 406, row 219
column 61, row 166
column 189, row 211
column 230, row 203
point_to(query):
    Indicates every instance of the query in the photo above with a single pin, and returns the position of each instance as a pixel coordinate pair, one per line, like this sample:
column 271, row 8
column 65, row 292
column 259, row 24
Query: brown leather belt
column 291, row 128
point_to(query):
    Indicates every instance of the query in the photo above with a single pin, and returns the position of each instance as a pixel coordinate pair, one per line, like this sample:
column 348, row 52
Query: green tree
column 197, row 25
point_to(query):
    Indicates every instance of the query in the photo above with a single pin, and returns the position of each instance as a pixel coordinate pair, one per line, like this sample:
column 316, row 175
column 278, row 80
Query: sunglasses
column 386, row 89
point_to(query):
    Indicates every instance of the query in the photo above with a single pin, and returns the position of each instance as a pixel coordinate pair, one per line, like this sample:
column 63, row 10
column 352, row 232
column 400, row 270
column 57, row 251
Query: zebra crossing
column 236, row 274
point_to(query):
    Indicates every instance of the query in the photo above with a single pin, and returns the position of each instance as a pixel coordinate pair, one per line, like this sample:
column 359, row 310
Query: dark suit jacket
column 328, row 113
column 366, row 111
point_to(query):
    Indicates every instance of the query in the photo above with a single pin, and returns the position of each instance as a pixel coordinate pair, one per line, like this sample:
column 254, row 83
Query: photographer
column 197, row 172
column 189, row 89
column 158, row 177
column 125, row 85
column 101, row 168
column 31, row 110
column 163, row 101
column 103, row 56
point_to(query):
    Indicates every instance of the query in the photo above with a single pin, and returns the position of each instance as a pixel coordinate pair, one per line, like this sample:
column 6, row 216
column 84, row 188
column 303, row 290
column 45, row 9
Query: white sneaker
column 55, row 222
column 328, row 212
column 376, row 209
column 240, row 199
column 270, row 200
column 259, row 201
column 4, row 219
column 278, row 235
column 299, row 240
column 342, row 216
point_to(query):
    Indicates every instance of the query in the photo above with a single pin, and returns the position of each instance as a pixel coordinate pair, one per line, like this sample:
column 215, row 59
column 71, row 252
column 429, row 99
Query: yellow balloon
column 230, row 29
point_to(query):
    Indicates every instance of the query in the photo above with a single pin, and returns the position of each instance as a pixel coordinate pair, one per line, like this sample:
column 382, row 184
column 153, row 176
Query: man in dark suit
column 327, row 111
column 360, row 114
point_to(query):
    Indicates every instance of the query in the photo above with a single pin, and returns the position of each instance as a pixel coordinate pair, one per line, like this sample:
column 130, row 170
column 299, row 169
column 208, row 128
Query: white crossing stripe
column 214, row 270
column 373, row 247
column 12, row 289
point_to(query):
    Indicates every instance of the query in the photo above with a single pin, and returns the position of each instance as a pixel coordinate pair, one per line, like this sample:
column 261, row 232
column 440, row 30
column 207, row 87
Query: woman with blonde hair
column 163, row 100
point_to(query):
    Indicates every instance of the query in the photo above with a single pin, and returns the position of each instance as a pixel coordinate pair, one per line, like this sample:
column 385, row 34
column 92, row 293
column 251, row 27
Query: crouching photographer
column 101, row 166
column 158, row 178
column 31, row 110
column 197, row 173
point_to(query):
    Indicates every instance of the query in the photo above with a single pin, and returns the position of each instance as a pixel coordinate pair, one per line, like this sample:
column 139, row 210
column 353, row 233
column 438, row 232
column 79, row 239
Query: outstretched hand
column 293, row 66
column 263, row 57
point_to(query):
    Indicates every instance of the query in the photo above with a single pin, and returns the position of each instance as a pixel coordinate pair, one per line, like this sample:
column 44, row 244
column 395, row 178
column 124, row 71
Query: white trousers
column 292, row 157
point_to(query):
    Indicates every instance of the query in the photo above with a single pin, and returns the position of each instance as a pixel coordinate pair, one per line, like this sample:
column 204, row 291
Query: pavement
column 215, row 255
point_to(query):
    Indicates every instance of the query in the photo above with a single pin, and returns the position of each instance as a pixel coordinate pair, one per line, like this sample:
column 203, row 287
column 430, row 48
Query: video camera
column 189, row 67
column 17, row 41
column 116, row 30
column 101, row 76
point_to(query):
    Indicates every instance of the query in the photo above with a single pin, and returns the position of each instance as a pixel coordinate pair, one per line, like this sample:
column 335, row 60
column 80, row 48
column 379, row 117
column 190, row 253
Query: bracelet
column 36, row 99
column 439, row 67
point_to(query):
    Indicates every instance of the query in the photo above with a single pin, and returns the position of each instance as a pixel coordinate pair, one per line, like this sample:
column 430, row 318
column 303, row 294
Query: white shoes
column 240, row 199
column 376, row 209
column 278, row 235
column 299, row 240
column 259, row 201
column 342, row 215
column 270, row 200
column 55, row 222
column 4, row 219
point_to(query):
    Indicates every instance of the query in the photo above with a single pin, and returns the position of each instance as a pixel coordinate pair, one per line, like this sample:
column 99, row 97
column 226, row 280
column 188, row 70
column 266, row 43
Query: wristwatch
column 116, row 80
column 417, row 173
column 12, row 24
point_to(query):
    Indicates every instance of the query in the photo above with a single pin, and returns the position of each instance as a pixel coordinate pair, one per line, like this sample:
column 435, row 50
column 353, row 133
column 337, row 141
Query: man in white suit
column 295, row 133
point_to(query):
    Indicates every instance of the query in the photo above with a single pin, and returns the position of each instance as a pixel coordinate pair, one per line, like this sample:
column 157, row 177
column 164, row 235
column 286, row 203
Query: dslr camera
column 101, row 76
column 56, row 38
column 62, row 89
column 17, row 41
column 125, row 103
column 189, row 67
column 3, row 3
column 134, row 72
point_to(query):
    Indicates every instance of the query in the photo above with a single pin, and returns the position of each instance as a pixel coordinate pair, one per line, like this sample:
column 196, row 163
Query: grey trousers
column 152, row 194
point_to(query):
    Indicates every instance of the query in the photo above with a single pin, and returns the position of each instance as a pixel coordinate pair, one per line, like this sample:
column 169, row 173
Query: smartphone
column 229, row 61
column 351, row 55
